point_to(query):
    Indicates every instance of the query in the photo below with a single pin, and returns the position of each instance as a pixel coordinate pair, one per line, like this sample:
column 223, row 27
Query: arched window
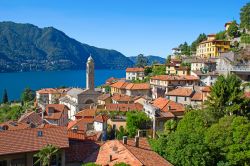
column 89, row 101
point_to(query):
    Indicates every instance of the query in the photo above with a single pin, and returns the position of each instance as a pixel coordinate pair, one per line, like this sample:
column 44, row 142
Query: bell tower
column 90, row 74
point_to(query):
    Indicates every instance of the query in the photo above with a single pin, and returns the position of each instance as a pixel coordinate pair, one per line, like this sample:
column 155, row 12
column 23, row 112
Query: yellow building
column 212, row 48
column 173, row 69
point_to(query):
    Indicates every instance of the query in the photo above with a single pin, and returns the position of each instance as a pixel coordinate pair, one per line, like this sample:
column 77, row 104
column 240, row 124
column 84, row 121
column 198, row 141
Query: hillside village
column 124, row 120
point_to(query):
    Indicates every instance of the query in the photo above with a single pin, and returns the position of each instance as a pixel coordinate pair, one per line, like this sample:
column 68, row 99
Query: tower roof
column 90, row 59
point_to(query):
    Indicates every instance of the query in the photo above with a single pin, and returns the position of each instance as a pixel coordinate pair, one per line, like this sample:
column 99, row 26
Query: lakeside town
column 192, row 110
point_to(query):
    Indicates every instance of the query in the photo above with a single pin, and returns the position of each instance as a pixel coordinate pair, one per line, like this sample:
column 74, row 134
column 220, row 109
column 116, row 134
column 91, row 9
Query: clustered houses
column 135, row 74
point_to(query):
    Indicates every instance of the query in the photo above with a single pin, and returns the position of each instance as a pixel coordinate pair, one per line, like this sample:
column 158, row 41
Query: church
column 77, row 99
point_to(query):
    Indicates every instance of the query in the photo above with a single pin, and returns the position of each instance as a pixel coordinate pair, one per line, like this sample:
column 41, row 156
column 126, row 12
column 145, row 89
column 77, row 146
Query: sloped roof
column 31, row 117
column 135, row 69
column 86, row 113
column 27, row 140
column 101, row 118
column 124, row 107
column 128, row 153
column 197, row 96
column 58, row 111
column 103, row 97
column 138, row 86
column 164, row 104
column 74, row 92
column 122, row 98
column 13, row 125
column 182, row 91
column 175, row 78
column 120, row 85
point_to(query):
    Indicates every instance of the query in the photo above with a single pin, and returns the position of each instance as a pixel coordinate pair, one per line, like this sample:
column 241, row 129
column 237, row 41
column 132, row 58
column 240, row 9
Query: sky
column 132, row 27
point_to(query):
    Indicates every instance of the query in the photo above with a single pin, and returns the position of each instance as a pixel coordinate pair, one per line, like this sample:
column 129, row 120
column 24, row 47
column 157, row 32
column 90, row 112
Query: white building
column 203, row 65
column 100, row 123
column 206, row 79
column 135, row 74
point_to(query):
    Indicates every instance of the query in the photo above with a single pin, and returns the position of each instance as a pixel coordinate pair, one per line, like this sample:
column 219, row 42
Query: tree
column 45, row 154
column 226, row 97
column 5, row 97
column 147, row 71
column 159, row 70
column 221, row 35
column 121, row 132
column 170, row 126
column 27, row 95
column 185, row 49
column 168, row 60
column 135, row 121
column 229, row 141
column 121, row 164
column 202, row 37
column 90, row 164
column 245, row 16
column 142, row 61
column 186, row 145
column 233, row 30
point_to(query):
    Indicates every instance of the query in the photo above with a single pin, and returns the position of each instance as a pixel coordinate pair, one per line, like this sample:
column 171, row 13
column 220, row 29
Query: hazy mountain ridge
column 25, row 47
column 151, row 59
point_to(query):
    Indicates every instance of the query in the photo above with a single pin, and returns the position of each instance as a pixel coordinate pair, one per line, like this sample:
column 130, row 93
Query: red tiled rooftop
column 27, row 140
column 31, row 117
column 197, row 96
column 103, row 97
column 136, row 156
column 124, row 107
column 86, row 113
column 163, row 104
column 122, row 98
column 138, row 86
column 135, row 69
column 58, row 111
column 206, row 89
column 175, row 78
column 182, row 91
column 120, row 85
column 101, row 118
column 13, row 125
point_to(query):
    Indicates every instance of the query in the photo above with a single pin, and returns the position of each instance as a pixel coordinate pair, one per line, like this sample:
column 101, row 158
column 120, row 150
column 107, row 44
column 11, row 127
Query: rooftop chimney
column 169, row 108
column 110, row 157
column 125, row 140
column 136, row 141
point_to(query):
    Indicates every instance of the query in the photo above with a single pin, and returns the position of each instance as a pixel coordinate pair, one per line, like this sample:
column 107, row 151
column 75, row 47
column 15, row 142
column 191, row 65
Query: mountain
column 26, row 47
column 151, row 59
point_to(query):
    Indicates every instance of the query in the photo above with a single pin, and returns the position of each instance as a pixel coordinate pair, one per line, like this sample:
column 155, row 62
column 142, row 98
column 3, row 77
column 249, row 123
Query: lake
column 15, row 83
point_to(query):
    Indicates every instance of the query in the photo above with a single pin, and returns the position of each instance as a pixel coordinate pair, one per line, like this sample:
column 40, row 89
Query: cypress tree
column 5, row 97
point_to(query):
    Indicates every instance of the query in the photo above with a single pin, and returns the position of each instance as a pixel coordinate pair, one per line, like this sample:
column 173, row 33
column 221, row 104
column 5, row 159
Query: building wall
column 135, row 75
column 98, row 126
column 212, row 48
column 180, row 99
column 138, row 92
column 117, row 123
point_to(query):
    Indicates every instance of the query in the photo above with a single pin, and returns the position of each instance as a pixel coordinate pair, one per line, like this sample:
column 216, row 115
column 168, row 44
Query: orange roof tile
column 138, row 86
column 122, row 98
column 124, row 107
column 206, row 89
column 27, row 140
column 31, row 117
column 103, row 97
column 13, row 125
column 164, row 104
column 135, row 69
column 119, row 85
column 80, row 124
column 175, row 78
column 136, row 156
column 197, row 96
column 101, row 118
column 182, row 91
column 86, row 113
column 58, row 111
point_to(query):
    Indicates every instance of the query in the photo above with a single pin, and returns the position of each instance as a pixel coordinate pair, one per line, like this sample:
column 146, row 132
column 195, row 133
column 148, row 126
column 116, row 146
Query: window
column 3, row 163
column 185, row 98
column 176, row 99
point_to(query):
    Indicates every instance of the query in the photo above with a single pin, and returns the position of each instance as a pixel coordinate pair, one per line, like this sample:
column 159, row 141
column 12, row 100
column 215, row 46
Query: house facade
column 161, row 84
column 56, row 114
column 203, row 65
column 212, row 48
column 135, row 74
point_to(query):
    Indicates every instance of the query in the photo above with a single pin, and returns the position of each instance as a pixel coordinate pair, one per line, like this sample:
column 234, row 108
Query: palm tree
column 45, row 154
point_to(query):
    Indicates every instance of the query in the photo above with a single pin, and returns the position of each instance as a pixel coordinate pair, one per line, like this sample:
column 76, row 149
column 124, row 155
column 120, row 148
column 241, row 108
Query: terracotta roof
column 13, row 125
column 135, row 69
column 86, row 113
column 129, row 154
column 124, row 107
column 103, row 97
column 80, row 124
column 138, row 86
column 206, row 89
column 52, row 90
column 182, row 91
column 111, row 80
column 28, row 140
column 58, row 111
column 101, row 118
column 163, row 104
column 197, row 96
column 31, row 117
column 120, row 85
column 122, row 98
column 175, row 78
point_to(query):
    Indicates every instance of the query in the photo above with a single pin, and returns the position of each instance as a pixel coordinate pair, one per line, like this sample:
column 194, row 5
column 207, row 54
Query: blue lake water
column 16, row 82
